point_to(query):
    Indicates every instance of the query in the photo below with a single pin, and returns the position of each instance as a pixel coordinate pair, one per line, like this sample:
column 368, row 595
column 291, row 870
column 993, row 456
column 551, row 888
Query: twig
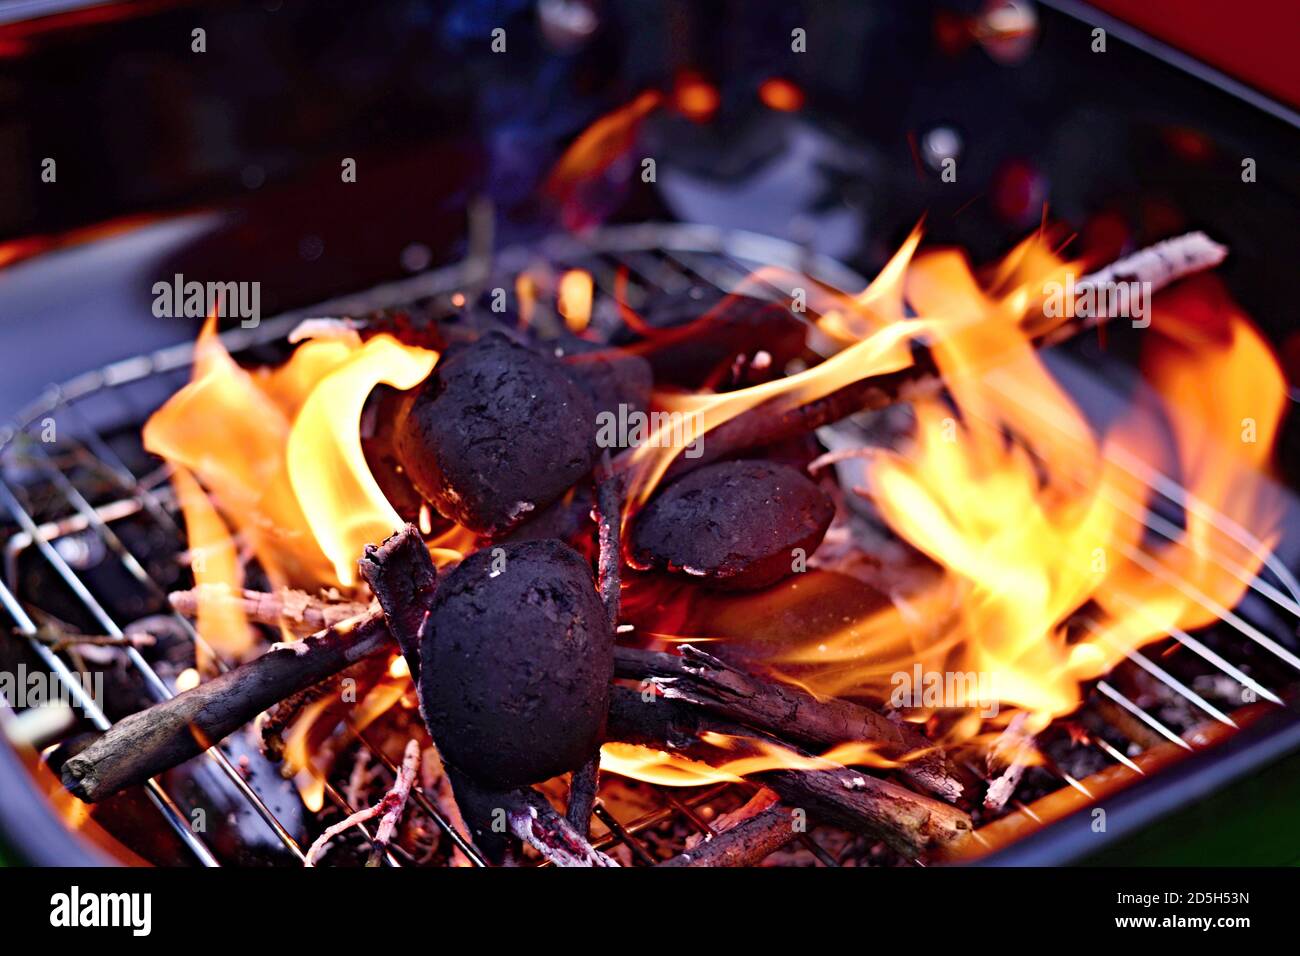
column 608, row 515
column 276, row 719
column 763, row 828
column 389, row 808
column 300, row 612
column 776, row 420
column 910, row 823
column 394, row 803
column 788, row 712
column 1015, row 749
column 533, row 820
column 529, row 816
column 585, row 781
column 170, row 732
column 59, row 640
column 404, row 582
column 1158, row 265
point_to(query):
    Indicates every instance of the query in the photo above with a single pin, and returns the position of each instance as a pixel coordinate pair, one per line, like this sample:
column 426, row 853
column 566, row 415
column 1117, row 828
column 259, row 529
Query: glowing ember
column 695, row 98
column 575, row 299
column 779, row 94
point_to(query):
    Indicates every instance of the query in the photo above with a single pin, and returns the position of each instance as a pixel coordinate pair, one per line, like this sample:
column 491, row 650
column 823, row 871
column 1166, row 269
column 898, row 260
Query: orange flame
column 1046, row 575
column 341, row 499
column 754, row 756
column 695, row 98
column 606, row 141
column 883, row 351
column 278, row 452
column 574, row 300
column 1037, row 524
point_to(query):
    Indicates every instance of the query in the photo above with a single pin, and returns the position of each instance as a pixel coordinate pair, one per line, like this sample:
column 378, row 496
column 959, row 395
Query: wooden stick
column 170, row 732
column 747, row 843
column 389, row 809
column 908, row 822
column 528, row 815
column 394, row 803
column 403, row 579
column 608, row 515
column 585, row 781
column 788, row 712
column 300, row 612
column 775, row 420
column 533, row 820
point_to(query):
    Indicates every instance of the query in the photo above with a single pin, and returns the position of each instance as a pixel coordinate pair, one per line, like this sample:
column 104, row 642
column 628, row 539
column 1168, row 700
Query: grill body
column 1099, row 135
column 94, row 480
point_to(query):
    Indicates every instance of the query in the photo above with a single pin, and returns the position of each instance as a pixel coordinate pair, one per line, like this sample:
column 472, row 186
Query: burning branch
column 300, row 612
column 774, row 421
column 533, row 820
column 1014, row 749
column 1159, row 265
column 787, row 712
column 910, row 823
column 389, row 810
column 585, row 781
column 747, row 843
column 170, row 732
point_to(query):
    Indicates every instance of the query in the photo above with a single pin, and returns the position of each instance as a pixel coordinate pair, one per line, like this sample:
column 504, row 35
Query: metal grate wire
column 657, row 259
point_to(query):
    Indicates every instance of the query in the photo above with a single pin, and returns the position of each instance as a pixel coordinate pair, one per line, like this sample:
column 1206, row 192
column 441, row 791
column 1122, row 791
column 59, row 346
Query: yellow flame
column 1036, row 523
column 575, row 299
column 885, row 350
column 337, row 493
column 277, row 453
column 213, row 560
column 759, row 756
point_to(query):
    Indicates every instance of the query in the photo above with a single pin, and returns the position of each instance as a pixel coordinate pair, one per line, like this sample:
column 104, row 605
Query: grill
column 71, row 499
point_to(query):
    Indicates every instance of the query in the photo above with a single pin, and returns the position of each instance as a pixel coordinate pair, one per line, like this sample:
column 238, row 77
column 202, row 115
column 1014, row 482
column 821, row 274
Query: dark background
column 225, row 165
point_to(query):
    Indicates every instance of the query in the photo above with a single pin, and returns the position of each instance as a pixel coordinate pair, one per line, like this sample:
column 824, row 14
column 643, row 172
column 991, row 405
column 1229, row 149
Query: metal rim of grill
column 658, row 258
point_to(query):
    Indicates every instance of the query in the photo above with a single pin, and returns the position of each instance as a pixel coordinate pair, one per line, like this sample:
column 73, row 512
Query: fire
column 337, row 493
column 695, row 97
column 601, row 147
column 752, row 756
column 1037, row 523
column 574, row 302
column 1046, row 575
column 781, row 95
column 276, row 453
column 885, row 350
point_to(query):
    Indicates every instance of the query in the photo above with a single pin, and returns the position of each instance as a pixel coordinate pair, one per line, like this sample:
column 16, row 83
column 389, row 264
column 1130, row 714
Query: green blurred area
column 1255, row 822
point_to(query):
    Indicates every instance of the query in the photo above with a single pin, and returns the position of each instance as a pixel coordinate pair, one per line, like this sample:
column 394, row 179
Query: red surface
column 1251, row 40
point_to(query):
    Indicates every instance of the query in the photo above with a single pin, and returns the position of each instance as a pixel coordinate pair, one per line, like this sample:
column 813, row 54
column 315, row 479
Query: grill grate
column 87, row 411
